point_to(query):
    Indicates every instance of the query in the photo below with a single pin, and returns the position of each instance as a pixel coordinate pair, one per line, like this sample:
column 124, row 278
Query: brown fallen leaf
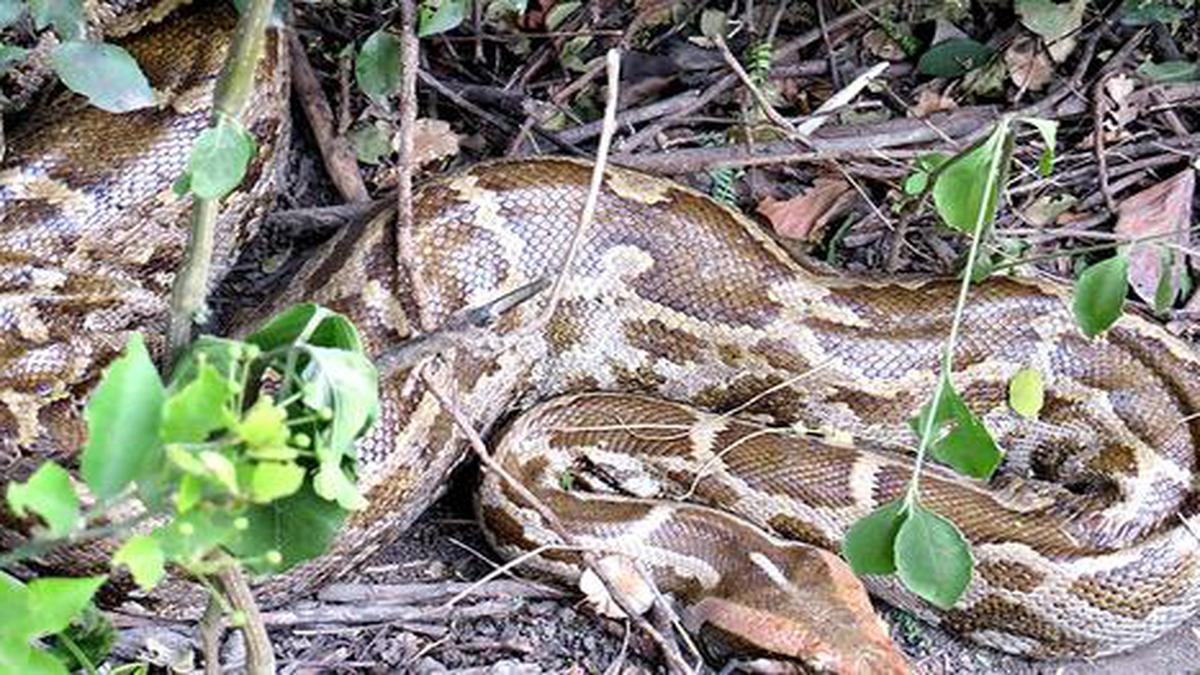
column 805, row 215
column 930, row 101
column 1159, row 209
column 1028, row 65
column 432, row 140
column 879, row 43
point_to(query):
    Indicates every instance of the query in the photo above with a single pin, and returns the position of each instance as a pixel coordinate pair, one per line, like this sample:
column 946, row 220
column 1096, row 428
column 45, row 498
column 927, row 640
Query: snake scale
column 675, row 313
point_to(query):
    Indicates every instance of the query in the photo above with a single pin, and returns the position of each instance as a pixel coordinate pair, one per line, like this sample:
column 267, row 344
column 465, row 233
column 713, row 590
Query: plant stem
column 260, row 657
column 939, row 391
column 232, row 92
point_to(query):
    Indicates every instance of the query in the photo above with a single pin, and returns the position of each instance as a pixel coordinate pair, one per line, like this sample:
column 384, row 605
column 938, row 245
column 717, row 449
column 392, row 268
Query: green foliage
column 123, row 417
column 1100, row 294
column 1027, row 393
column 1050, row 20
column 371, row 142
column 219, row 158
column 1170, row 71
column 929, row 554
column 267, row 479
column 66, row 16
column 90, row 637
column 440, row 16
column 106, row 74
column 959, row 438
column 1146, row 12
column 377, row 68
column 10, row 11
column 932, row 557
column 33, row 611
column 49, row 494
column 954, row 58
column 869, row 544
column 963, row 197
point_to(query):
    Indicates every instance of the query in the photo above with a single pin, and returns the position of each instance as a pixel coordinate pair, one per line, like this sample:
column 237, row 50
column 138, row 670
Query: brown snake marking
column 1080, row 542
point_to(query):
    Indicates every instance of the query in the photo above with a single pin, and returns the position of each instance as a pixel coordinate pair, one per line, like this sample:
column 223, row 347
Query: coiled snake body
column 1081, row 543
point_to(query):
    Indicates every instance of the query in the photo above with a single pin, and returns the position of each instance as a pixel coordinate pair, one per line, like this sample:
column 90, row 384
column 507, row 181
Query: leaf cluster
column 247, row 450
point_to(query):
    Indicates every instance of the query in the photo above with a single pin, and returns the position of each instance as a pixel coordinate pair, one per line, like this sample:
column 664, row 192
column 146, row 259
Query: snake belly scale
column 1081, row 543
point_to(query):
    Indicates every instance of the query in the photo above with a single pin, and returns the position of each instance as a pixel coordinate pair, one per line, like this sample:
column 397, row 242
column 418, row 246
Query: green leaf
column 563, row 11
column 932, row 557
column 439, row 16
column 1100, row 295
column 220, row 469
column 123, row 416
column 145, row 559
column 923, row 168
column 1049, row 131
column 869, row 544
column 332, row 483
column 371, row 142
column 9, row 55
column 1050, row 20
column 1146, row 12
column 201, row 407
column 67, row 17
column 954, row 58
column 332, row 329
column 1170, row 71
column 300, row 527
column 264, row 425
column 1027, row 392
column 272, row 480
column 346, row 383
column 49, row 494
column 54, row 601
column 227, row 356
column 377, row 68
column 219, row 158
column 10, row 11
column 959, row 191
column 190, row 537
column 91, row 633
column 959, row 438
column 106, row 74
column 1165, row 291
column 714, row 23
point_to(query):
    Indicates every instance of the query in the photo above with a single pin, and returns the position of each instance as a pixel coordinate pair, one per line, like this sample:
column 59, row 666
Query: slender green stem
column 190, row 289
column 939, row 391
column 82, row 658
column 39, row 546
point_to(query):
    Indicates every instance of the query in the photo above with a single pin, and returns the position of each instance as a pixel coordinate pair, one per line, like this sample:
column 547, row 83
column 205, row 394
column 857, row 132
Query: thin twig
column 675, row 662
column 409, row 54
column 211, row 628
column 340, row 161
column 613, row 59
column 260, row 657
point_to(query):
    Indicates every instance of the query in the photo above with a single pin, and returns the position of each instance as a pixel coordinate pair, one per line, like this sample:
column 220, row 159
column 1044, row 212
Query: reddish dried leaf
column 1028, row 66
column 1159, row 209
column 804, row 216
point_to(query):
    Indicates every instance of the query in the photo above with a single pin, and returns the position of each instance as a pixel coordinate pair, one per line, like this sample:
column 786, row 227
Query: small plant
column 926, row 549
column 244, row 457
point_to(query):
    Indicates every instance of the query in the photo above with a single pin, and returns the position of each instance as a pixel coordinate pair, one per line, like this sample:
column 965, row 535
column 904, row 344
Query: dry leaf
column 1118, row 111
column 929, row 102
column 879, row 43
column 628, row 582
column 432, row 140
column 1028, row 66
column 1159, row 209
column 804, row 216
